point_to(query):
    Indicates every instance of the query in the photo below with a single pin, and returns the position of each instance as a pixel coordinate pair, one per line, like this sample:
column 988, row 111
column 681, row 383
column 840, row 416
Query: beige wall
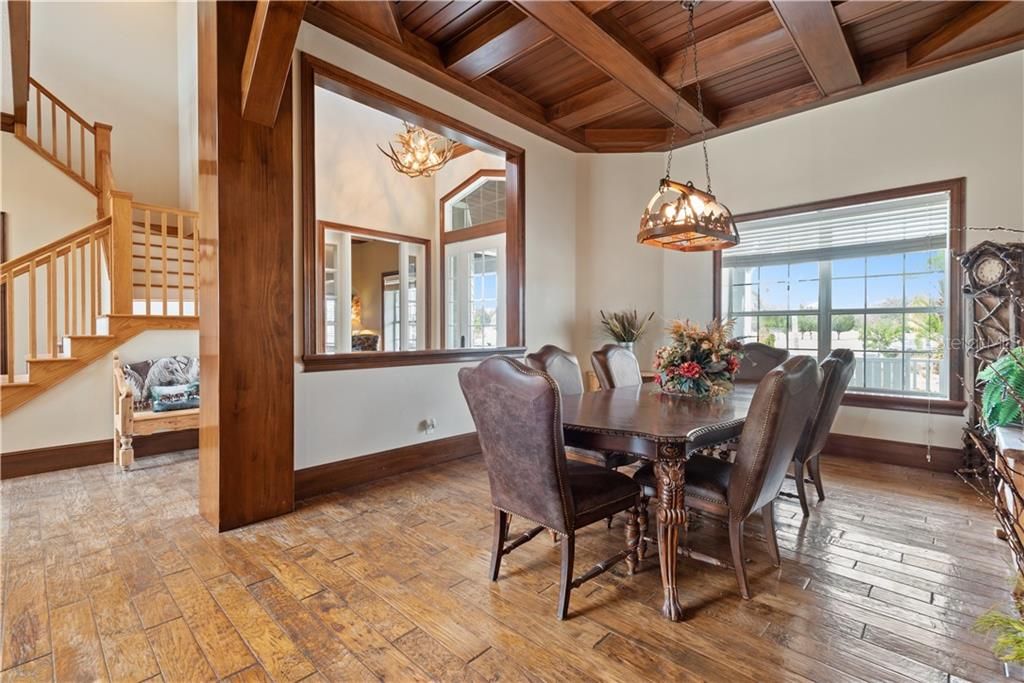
column 968, row 122
column 116, row 62
column 348, row 413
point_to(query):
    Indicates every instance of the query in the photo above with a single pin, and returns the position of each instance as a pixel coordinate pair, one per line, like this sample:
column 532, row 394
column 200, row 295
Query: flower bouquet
column 701, row 362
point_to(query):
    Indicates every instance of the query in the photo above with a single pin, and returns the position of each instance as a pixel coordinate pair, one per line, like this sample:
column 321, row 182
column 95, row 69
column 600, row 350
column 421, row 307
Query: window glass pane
column 803, row 271
column 924, row 374
column 884, row 332
column 774, row 273
column 926, row 261
column 483, row 204
column 805, row 333
column 847, row 331
column 774, row 296
column 848, row 293
column 744, row 299
column 746, row 328
column 925, row 331
column 887, row 264
column 743, row 276
column 925, row 290
column 803, row 295
column 772, row 330
column 885, row 292
column 883, row 372
column 857, row 381
column 848, row 267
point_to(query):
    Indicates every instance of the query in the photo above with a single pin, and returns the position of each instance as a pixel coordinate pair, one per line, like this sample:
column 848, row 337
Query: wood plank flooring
column 111, row 576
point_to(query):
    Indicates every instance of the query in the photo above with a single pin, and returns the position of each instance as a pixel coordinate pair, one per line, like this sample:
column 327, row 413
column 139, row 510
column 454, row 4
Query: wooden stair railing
column 138, row 260
column 70, row 273
column 78, row 148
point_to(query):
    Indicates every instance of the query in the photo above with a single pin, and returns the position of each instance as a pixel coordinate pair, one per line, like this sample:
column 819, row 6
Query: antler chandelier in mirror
column 420, row 153
column 679, row 216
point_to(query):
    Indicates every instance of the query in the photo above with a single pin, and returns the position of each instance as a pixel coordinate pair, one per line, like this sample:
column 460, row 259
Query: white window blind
column 916, row 223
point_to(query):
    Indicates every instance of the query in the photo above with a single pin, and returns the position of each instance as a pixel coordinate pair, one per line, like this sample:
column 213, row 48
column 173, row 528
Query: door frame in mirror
column 314, row 73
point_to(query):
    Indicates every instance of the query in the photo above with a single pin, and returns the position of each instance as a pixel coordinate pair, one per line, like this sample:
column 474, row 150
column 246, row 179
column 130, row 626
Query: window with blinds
column 871, row 277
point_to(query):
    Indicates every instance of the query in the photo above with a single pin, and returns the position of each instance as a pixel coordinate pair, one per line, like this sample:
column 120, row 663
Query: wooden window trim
column 954, row 403
column 318, row 73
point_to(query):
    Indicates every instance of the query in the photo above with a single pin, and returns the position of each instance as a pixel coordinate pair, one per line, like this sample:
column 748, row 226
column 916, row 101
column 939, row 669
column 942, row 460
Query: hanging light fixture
column 679, row 216
column 420, row 154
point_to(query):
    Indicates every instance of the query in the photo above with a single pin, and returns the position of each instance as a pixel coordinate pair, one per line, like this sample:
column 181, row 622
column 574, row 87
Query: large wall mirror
column 413, row 230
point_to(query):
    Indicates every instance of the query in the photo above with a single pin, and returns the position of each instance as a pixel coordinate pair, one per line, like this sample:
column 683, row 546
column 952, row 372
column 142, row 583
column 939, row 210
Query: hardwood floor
column 111, row 576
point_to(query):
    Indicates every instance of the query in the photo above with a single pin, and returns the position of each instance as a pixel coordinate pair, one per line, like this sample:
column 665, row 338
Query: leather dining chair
column 518, row 417
column 779, row 411
column 616, row 366
column 758, row 361
column 563, row 367
column 836, row 372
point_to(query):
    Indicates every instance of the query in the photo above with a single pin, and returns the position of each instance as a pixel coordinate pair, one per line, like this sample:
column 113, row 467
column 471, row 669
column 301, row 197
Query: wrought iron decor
column 995, row 291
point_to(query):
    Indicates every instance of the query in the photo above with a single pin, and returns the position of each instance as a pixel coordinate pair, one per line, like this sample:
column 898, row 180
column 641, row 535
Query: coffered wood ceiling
column 603, row 76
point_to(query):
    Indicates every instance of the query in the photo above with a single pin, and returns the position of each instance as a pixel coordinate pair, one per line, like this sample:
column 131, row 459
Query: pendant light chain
column 689, row 6
column 700, row 96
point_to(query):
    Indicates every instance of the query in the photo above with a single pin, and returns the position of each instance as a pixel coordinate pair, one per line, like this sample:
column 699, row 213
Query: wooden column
column 246, row 332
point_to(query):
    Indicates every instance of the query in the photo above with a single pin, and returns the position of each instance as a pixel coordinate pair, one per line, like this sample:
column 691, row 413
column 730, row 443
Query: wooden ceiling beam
column 499, row 39
column 378, row 15
column 18, row 15
column 421, row 58
column 819, row 38
column 979, row 24
column 748, row 43
column 268, row 58
column 630, row 139
column 594, row 44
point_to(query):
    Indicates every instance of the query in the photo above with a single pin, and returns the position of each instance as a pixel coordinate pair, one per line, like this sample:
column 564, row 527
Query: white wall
column 968, row 122
column 81, row 408
column 116, row 62
column 343, row 414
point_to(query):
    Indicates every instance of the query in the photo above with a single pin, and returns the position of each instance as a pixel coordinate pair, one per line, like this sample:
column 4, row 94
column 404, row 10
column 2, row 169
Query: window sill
column 380, row 359
column 908, row 404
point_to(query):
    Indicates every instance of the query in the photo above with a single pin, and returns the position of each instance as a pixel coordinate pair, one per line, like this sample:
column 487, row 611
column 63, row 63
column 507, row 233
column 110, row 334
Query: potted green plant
column 625, row 327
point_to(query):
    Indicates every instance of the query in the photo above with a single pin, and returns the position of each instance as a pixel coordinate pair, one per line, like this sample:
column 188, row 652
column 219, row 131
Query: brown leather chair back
column 836, row 373
column 782, row 405
column 518, row 417
column 561, row 366
column 616, row 366
column 758, row 360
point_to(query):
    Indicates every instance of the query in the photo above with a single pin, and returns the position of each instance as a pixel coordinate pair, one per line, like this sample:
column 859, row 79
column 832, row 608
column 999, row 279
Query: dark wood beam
column 749, row 43
column 19, row 15
column 594, row 44
column 421, row 58
column 499, row 39
column 268, row 58
column 246, row 419
column 979, row 24
column 819, row 38
column 630, row 139
column 377, row 15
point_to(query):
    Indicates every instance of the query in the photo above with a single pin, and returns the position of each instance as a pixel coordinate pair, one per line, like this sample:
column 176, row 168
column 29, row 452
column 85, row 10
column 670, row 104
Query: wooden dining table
column 664, row 430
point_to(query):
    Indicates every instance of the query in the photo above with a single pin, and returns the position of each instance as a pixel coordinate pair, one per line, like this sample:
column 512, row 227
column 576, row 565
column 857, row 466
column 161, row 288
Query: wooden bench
column 129, row 423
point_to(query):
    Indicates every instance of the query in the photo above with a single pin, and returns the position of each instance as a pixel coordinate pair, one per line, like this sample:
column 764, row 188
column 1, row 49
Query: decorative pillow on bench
column 173, row 371
column 176, row 397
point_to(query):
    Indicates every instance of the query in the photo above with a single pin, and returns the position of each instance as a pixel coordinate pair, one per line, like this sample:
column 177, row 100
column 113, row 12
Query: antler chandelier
column 420, row 153
column 679, row 216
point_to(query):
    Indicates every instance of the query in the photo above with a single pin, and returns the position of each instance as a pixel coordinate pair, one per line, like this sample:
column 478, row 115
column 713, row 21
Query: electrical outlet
column 429, row 425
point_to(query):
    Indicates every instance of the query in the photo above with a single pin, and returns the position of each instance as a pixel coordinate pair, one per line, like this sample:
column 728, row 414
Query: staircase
column 71, row 302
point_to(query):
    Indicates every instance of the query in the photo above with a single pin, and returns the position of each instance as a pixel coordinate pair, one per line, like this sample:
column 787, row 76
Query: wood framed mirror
column 451, row 241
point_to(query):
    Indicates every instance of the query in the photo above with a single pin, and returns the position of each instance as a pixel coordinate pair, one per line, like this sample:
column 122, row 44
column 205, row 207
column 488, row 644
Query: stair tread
column 51, row 359
column 88, row 336
column 19, row 381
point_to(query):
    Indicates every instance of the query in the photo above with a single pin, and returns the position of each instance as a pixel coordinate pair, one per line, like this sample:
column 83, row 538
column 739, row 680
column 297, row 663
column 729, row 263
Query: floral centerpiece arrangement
column 701, row 361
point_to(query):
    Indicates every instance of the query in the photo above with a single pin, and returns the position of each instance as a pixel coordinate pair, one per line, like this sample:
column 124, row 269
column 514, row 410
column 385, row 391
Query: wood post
column 104, row 175
column 120, row 253
column 246, row 329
